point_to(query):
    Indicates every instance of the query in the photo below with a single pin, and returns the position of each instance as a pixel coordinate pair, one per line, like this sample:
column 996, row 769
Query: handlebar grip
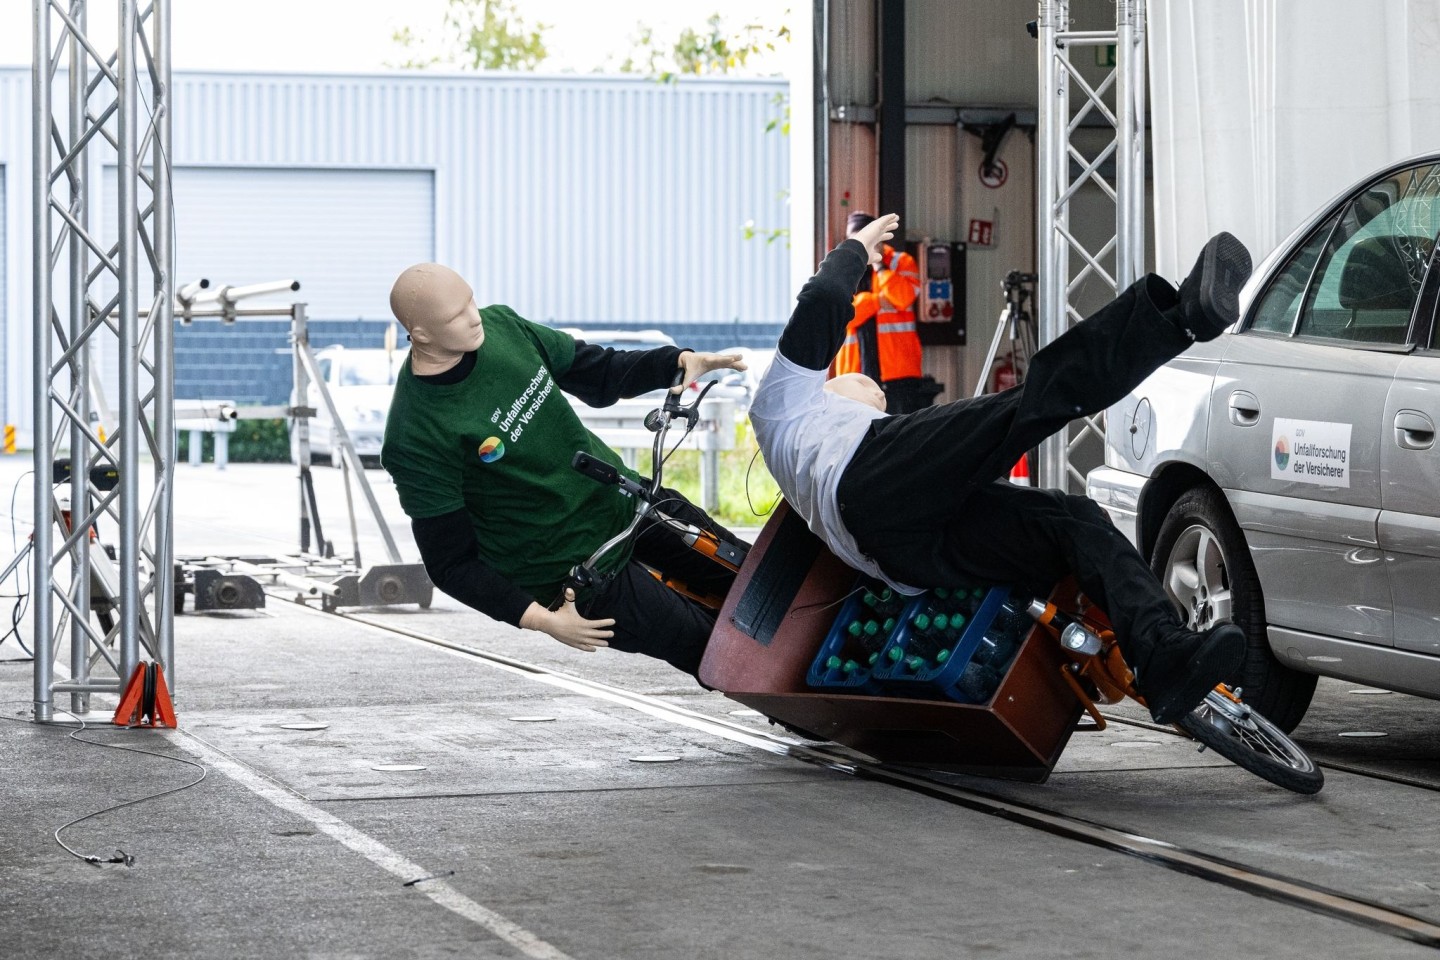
column 594, row 469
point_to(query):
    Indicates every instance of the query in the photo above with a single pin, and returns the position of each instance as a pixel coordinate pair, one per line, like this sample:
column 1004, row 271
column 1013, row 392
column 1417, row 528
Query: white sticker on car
column 1311, row 451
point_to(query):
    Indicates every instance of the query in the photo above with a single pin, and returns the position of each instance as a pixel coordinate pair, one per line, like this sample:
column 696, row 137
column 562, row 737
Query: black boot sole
column 1219, row 657
column 1226, row 268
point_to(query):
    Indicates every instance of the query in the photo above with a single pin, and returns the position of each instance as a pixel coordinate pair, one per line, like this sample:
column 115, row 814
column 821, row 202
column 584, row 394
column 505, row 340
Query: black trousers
column 921, row 494
column 650, row 618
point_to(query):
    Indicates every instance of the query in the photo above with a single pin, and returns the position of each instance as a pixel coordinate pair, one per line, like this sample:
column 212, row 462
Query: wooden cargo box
column 773, row 623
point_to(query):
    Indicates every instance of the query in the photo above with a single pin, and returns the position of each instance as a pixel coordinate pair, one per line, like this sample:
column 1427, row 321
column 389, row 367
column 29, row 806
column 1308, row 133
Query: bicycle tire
column 1251, row 742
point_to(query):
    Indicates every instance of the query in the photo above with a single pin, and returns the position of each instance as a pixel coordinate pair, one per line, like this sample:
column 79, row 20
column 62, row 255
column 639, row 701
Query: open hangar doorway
column 929, row 108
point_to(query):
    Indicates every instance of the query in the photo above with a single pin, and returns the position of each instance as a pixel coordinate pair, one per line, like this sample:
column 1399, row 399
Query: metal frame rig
column 98, row 114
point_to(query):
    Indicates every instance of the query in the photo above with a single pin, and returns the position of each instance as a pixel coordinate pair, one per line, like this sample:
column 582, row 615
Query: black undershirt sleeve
column 452, row 560
column 600, row 375
column 817, row 327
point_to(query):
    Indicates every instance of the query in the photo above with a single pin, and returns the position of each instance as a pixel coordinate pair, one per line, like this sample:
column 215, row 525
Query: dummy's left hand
column 696, row 365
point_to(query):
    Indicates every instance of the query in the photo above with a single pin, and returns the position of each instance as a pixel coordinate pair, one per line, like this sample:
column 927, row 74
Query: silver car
column 1285, row 475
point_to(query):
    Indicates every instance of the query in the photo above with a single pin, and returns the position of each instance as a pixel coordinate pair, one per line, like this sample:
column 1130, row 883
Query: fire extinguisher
column 1004, row 375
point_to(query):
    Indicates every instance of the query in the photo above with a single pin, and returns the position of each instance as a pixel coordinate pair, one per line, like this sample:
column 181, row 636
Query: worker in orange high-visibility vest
column 881, row 341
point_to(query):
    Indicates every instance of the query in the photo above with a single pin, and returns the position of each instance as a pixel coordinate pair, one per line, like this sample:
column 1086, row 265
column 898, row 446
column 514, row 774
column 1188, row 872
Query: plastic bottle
column 977, row 684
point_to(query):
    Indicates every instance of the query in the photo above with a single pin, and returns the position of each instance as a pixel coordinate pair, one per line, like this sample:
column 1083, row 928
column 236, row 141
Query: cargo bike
column 971, row 677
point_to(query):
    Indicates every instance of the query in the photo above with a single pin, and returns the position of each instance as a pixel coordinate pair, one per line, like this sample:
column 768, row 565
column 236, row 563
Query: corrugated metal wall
column 581, row 200
column 575, row 200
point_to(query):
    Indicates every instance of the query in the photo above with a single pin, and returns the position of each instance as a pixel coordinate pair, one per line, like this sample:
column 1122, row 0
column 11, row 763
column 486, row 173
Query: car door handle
column 1244, row 409
column 1414, row 431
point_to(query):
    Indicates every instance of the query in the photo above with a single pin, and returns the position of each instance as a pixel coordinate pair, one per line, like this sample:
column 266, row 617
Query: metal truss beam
column 93, row 110
column 1116, row 103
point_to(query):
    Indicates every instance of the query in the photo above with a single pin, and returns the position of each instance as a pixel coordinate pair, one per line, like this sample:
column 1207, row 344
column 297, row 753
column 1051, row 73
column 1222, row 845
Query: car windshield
column 369, row 368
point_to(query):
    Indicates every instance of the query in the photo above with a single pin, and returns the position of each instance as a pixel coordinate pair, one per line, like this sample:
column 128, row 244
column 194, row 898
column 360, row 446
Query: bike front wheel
column 1245, row 738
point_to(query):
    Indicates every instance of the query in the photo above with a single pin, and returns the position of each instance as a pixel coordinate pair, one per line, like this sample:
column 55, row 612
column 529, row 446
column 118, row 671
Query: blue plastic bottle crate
column 840, row 647
column 990, row 632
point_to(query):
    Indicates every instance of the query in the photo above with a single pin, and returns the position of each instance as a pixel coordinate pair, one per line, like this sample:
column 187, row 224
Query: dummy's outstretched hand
column 697, row 365
column 567, row 626
column 875, row 233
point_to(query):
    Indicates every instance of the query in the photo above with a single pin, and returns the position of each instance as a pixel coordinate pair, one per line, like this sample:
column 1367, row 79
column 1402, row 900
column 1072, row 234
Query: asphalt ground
column 521, row 836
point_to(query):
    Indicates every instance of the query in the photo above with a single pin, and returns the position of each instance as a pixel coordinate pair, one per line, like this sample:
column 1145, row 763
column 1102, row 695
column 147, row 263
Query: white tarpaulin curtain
column 1261, row 110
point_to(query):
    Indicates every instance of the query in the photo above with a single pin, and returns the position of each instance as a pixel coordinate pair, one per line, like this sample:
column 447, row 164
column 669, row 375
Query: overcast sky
column 355, row 35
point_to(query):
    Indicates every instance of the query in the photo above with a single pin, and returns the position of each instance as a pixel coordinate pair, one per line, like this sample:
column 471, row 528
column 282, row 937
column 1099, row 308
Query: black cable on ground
column 120, row 856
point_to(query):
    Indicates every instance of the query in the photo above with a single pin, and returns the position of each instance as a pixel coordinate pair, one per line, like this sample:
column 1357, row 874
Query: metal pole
column 128, row 420
column 820, row 74
column 164, row 355
column 300, row 340
column 1052, row 257
column 40, row 345
column 79, row 372
column 1130, row 162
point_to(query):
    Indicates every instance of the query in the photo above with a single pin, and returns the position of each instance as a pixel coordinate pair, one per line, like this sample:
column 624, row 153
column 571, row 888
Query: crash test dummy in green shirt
column 479, row 441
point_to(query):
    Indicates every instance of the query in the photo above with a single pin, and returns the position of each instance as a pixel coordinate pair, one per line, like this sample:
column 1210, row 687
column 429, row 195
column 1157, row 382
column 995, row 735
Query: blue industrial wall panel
column 250, row 361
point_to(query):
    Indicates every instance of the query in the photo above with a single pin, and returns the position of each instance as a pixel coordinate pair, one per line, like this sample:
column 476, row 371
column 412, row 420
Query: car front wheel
column 1204, row 564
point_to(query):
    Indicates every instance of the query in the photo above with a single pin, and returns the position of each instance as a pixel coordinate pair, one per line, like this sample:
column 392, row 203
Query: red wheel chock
column 146, row 702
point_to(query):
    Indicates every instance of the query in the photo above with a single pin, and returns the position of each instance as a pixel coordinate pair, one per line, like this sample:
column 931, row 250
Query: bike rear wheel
column 1245, row 738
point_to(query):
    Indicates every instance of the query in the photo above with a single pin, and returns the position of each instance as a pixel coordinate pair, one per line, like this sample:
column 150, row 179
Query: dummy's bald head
column 858, row 387
column 428, row 292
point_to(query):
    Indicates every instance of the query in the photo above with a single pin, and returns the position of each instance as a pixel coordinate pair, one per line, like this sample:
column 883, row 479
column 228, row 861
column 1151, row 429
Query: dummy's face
column 463, row 331
column 859, row 387
column 443, row 315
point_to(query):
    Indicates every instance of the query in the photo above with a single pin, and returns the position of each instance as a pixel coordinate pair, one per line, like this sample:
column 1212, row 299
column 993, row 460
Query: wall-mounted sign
column 995, row 175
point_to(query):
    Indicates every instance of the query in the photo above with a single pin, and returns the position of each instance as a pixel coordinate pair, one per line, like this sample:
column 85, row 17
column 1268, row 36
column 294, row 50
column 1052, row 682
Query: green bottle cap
column 850, row 666
column 922, row 622
column 872, row 628
column 873, row 657
column 942, row 656
column 895, row 654
column 977, row 593
column 833, row 663
column 915, row 663
column 886, row 595
column 941, row 593
column 870, row 599
column 957, row 620
column 889, row 624
column 854, row 628
column 940, row 621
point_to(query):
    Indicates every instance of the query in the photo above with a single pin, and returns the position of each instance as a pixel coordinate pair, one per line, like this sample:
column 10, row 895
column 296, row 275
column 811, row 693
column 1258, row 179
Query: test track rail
column 1294, row 892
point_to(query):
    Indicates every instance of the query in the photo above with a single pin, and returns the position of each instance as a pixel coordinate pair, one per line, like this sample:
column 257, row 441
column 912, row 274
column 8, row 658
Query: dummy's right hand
column 875, row 233
column 566, row 625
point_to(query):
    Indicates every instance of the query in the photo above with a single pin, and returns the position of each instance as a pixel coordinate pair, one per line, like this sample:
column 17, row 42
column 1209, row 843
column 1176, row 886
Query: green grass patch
column 747, row 491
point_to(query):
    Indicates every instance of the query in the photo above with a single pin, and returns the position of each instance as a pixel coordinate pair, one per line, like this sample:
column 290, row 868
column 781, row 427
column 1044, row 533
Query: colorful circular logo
column 491, row 450
column 1282, row 453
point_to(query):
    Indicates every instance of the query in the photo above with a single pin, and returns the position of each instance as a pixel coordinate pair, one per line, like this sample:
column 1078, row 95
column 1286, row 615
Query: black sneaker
column 1182, row 669
column 1210, row 296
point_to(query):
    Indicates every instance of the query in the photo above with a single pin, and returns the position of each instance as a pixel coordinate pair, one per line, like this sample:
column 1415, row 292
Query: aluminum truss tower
column 1119, row 99
column 100, row 114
